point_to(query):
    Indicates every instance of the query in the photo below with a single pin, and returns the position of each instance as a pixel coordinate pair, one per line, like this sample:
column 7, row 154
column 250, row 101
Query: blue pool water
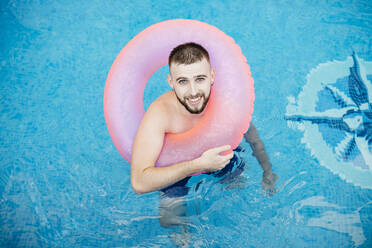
column 64, row 184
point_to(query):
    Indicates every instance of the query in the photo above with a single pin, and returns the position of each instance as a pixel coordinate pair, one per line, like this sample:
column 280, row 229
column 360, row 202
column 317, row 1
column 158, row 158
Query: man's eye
column 182, row 81
column 200, row 79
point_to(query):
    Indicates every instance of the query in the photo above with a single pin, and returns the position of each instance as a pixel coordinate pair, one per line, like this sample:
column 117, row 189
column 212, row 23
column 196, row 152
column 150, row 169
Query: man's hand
column 211, row 160
column 268, row 183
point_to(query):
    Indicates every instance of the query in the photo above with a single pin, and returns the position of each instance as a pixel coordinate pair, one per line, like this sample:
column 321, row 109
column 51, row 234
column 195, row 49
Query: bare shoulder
column 150, row 134
column 166, row 100
column 159, row 111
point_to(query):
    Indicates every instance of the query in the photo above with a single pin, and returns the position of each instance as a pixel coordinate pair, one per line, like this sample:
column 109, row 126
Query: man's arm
column 269, row 178
column 145, row 177
column 258, row 148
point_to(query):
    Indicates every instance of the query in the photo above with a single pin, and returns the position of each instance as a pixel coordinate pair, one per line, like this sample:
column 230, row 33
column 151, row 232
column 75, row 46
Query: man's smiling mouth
column 194, row 101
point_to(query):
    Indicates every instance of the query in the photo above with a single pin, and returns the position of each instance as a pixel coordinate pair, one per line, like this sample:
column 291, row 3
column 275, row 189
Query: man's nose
column 193, row 89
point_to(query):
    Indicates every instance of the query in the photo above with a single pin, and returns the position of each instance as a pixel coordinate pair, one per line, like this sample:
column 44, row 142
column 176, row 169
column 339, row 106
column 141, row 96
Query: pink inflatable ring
column 228, row 112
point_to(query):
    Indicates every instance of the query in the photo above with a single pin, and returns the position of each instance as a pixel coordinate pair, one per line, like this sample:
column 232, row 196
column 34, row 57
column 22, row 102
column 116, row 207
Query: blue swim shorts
column 180, row 189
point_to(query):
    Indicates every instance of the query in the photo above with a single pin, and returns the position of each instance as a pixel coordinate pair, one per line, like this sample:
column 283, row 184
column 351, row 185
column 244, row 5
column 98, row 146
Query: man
column 177, row 111
column 191, row 78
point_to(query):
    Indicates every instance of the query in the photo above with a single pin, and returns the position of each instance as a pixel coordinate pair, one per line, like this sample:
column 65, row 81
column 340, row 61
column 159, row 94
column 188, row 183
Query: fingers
column 219, row 166
column 222, row 148
column 225, row 160
column 215, row 161
column 220, row 163
column 228, row 156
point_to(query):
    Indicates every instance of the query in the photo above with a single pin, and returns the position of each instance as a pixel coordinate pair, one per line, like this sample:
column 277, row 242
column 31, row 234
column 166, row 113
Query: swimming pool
column 63, row 183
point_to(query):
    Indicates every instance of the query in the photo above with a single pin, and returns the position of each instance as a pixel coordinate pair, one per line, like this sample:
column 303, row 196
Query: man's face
column 192, row 84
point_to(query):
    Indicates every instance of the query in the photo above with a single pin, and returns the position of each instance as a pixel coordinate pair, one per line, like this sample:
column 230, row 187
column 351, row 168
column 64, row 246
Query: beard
column 191, row 109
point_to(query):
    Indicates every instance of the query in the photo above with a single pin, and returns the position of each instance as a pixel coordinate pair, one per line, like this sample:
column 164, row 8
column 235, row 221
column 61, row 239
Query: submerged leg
column 173, row 215
column 173, row 212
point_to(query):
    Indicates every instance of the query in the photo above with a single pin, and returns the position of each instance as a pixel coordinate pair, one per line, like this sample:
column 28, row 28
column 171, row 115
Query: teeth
column 194, row 100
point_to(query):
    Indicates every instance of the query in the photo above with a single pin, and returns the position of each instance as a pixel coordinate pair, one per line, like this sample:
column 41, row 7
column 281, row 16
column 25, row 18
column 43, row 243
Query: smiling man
column 191, row 78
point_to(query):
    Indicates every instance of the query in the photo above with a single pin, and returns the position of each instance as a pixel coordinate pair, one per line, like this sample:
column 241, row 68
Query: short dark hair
column 188, row 53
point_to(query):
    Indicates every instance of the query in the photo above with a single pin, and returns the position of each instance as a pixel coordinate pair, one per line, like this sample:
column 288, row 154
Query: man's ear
column 212, row 76
column 169, row 79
